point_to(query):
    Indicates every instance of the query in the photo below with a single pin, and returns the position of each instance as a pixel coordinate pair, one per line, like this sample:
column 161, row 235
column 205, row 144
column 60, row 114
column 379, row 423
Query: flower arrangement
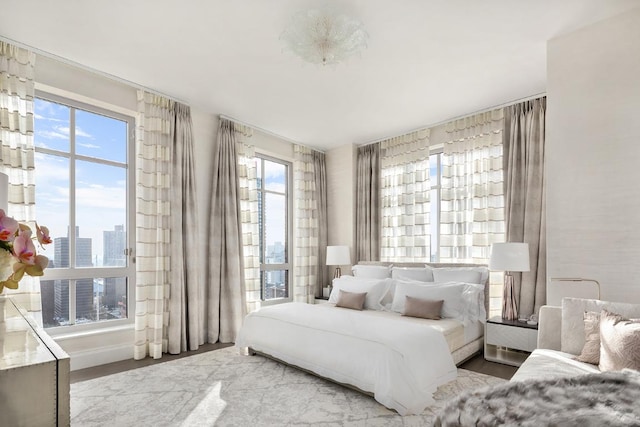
column 18, row 250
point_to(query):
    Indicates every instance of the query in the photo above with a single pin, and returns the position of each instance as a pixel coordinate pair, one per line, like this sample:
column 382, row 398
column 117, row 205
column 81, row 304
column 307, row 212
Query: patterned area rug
column 223, row 388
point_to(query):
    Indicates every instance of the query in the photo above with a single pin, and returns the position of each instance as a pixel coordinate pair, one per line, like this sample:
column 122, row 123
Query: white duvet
column 401, row 363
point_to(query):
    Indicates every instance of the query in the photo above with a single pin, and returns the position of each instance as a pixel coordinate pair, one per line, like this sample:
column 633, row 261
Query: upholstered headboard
column 437, row 265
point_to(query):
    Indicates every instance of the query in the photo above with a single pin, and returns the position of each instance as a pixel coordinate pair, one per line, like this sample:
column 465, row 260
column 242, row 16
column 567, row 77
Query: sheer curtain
column 472, row 203
column 226, row 290
column 17, row 153
column 247, row 181
column 368, row 203
column 405, row 188
column 524, row 206
column 153, row 212
column 309, row 211
column 187, row 321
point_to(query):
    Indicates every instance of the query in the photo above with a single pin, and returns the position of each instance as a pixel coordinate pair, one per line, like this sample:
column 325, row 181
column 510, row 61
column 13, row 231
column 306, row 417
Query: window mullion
column 72, row 301
column 72, row 190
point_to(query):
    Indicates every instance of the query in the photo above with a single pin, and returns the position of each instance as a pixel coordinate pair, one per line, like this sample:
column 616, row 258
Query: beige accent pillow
column 352, row 300
column 619, row 342
column 424, row 308
column 591, row 350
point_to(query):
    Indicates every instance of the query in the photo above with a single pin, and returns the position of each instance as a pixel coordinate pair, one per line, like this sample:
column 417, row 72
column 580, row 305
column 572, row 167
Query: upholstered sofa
column 561, row 337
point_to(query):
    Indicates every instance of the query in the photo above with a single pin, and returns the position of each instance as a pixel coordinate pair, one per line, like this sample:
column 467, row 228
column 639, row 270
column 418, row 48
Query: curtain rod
column 88, row 69
column 484, row 110
column 268, row 132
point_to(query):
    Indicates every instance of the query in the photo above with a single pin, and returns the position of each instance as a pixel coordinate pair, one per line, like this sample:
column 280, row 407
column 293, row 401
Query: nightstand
column 509, row 341
column 321, row 300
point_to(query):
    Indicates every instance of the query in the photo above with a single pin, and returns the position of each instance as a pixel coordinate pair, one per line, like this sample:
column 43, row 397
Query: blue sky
column 100, row 189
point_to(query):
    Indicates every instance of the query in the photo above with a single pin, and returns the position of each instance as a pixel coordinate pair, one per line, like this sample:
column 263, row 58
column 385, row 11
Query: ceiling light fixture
column 322, row 37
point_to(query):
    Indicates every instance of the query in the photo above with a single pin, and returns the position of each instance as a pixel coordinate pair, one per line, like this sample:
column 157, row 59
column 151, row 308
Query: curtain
column 153, row 213
column 320, row 177
column 249, row 217
column 524, row 197
column 17, row 91
column 368, row 203
column 472, row 203
column 309, row 229
column 226, row 288
column 405, row 188
column 187, row 322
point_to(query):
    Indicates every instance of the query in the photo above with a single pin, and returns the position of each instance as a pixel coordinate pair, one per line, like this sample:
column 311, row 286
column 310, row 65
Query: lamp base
column 337, row 273
column 509, row 307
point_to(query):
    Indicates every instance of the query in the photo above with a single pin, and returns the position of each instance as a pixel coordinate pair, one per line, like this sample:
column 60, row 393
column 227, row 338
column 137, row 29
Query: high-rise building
column 115, row 288
column 84, row 287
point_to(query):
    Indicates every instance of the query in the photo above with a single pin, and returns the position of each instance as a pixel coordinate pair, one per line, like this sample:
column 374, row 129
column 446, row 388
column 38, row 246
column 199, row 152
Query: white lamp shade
column 509, row 256
column 338, row 255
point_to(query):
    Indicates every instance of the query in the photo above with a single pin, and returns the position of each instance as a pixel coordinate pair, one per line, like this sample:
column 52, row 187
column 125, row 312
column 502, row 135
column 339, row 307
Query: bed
column 400, row 360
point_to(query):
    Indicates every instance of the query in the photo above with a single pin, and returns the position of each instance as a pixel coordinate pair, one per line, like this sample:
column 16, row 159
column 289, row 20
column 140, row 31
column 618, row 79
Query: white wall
column 341, row 199
column 593, row 156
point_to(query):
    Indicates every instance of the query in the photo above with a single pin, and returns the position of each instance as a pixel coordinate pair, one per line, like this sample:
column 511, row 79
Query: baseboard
column 100, row 356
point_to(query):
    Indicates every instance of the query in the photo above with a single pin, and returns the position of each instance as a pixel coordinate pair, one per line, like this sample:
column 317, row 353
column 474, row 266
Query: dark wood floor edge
column 129, row 364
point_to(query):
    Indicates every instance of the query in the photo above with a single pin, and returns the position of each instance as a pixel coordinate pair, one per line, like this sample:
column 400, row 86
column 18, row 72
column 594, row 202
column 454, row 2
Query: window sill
column 62, row 336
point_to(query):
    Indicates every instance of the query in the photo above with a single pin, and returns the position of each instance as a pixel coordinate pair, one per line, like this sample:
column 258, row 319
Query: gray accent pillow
column 424, row 308
column 620, row 342
column 352, row 300
column 591, row 350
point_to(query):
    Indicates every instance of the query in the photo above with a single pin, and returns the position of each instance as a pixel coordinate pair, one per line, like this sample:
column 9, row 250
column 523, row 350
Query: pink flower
column 43, row 235
column 8, row 227
column 24, row 249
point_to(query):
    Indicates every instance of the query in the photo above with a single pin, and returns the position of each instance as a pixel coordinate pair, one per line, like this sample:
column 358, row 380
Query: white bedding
column 402, row 363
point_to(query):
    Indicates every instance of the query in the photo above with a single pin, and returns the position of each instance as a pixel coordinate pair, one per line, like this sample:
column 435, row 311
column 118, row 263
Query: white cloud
column 79, row 131
column 53, row 135
column 87, row 145
column 98, row 196
column 52, row 119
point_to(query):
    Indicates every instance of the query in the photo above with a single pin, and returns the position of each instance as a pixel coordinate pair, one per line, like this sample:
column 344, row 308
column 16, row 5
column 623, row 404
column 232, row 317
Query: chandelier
column 322, row 37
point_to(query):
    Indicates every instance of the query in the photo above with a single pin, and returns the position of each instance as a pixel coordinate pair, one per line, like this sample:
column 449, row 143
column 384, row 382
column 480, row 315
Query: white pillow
column 375, row 289
column 478, row 275
column 422, row 274
column 372, row 271
column 462, row 301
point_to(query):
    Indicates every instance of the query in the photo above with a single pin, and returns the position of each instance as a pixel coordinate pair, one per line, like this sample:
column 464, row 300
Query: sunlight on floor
column 209, row 409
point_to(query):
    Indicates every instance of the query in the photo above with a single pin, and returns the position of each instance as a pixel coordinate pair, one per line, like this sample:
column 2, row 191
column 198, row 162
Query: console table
column 34, row 372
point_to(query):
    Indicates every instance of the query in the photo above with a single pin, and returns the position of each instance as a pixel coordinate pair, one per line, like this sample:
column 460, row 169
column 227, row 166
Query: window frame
column 74, row 273
column 288, row 266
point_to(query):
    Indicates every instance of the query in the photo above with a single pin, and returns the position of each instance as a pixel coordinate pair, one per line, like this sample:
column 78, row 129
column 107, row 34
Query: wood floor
column 477, row 364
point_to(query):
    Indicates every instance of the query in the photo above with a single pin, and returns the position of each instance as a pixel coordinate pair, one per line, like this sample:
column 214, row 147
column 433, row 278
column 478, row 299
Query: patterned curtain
column 472, row 200
column 368, row 203
column 153, row 221
column 247, row 181
column 17, row 155
column 405, row 188
column 187, row 321
column 226, row 290
column 309, row 229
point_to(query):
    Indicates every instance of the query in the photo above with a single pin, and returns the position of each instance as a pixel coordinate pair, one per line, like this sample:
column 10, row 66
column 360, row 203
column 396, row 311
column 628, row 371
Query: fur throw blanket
column 606, row 399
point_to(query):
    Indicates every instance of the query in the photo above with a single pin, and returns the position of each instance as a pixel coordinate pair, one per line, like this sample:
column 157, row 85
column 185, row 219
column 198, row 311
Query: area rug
column 223, row 388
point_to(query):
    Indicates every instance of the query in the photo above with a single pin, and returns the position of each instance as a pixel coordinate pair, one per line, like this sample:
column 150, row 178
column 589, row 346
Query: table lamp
column 338, row 255
column 509, row 257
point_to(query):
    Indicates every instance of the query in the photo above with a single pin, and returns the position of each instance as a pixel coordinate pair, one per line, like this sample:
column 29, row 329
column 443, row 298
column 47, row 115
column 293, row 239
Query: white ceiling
column 427, row 60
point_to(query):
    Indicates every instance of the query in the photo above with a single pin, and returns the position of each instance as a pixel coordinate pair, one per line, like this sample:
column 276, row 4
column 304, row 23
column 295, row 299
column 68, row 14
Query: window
column 274, row 223
column 435, row 179
column 84, row 195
